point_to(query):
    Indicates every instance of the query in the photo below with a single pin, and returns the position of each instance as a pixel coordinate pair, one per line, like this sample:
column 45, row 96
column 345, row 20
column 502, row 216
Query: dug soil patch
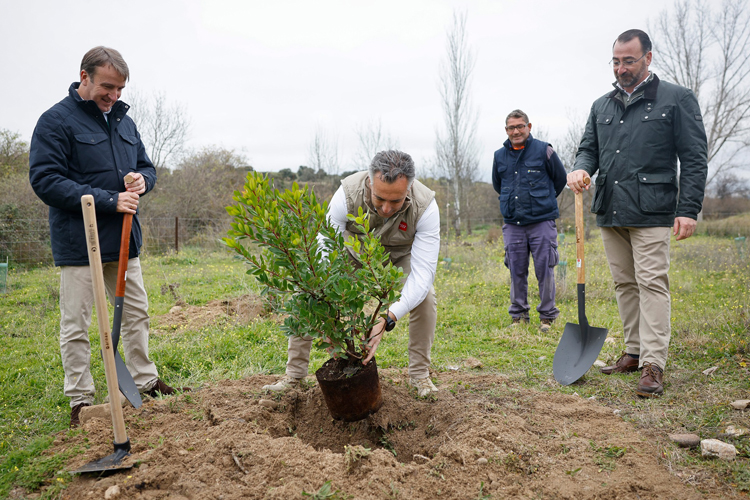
column 182, row 316
column 479, row 436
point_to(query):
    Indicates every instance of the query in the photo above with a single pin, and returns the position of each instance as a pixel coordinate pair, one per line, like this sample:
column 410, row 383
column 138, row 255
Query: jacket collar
column 118, row 110
column 649, row 90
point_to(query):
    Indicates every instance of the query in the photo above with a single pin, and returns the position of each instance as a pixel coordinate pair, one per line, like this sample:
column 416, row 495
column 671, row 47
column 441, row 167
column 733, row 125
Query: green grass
column 710, row 327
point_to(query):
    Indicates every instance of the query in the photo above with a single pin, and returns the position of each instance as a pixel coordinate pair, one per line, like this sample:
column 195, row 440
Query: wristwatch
column 390, row 323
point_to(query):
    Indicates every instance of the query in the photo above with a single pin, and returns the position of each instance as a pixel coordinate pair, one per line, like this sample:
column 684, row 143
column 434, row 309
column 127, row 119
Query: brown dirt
column 232, row 441
column 186, row 317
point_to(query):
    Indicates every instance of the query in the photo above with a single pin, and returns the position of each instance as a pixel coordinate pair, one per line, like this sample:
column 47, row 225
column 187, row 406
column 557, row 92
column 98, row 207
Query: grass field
column 710, row 281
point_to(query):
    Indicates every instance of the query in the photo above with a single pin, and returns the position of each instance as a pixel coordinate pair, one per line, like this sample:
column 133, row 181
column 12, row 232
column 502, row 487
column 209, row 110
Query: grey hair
column 104, row 56
column 391, row 165
column 517, row 113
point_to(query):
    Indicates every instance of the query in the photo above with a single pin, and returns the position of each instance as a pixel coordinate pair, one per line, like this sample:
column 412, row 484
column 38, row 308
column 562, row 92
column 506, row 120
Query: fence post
column 176, row 235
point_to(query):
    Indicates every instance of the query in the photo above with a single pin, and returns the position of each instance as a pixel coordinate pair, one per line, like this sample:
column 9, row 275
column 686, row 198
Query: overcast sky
column 259, row 76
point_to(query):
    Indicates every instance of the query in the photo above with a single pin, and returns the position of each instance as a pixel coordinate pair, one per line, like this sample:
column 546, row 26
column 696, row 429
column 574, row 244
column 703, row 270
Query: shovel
column 580, row 344
column 124, row 378
column 121, row 442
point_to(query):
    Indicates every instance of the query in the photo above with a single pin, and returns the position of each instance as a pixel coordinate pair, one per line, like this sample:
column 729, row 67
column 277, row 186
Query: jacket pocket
column 604, row 119
column 597, row 206
column 130, row 147
column 92, row 152
column 657, row 193
column 506, row 203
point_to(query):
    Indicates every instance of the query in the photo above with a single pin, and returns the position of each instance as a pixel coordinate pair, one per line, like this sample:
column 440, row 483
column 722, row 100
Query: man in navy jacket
column 528, row 176
column 86, row 144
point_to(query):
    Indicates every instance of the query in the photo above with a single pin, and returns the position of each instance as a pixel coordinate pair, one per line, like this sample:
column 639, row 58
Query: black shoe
column 75, row 414
column 163, row 389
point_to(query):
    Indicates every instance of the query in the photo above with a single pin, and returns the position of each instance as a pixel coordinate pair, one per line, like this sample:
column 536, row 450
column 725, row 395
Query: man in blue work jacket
column 528, row 176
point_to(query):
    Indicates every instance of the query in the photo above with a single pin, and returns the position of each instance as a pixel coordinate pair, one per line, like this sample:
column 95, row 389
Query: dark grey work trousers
column 540, row 241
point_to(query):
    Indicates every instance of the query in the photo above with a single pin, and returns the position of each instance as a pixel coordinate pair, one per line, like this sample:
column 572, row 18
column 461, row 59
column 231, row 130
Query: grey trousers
column 639, row 261
column 422, row 322
column 76, row 303
column 540, row 241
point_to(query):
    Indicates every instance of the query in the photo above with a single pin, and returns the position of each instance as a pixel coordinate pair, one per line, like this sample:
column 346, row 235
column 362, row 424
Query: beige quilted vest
column 397, row 232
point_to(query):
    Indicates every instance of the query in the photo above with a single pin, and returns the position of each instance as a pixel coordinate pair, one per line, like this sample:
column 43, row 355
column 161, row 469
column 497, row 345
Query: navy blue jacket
column 528, row 182
column 75, row 152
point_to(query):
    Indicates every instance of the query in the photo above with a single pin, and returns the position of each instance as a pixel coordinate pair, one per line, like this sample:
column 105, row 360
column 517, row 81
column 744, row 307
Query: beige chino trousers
column 422, row 322
column 639, row 261
column 76, row 303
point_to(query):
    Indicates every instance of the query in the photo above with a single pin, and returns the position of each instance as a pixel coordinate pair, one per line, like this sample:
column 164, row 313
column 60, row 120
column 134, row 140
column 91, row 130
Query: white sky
column 258, row 76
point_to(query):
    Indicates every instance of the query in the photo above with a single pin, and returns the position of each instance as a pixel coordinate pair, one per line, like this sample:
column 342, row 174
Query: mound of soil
column 478, row 436
column 183, row 316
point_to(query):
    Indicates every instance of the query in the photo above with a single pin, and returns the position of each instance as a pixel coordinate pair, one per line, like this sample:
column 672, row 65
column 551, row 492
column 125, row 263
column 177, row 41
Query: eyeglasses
column 515, row 127
column 627, row 62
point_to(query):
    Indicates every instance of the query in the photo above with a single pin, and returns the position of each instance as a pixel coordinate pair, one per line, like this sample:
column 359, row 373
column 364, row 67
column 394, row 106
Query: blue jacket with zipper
column 76, row 151
column 528, row 182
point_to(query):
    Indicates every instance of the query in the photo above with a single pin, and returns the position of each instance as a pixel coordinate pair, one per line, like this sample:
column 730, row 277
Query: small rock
column 542, row 358
column 718, row 449
column 453, row 368
column 175, row 309
column 599, row 363
column 420, row 459
column 685, row 440
column 576, row 394
column 741, row 404
column 182, row 452
column 592, row 398
column 735, row 431
column 709, row 371
column 482, row 461
column 617, row 412
column 268, row 403
column 112, row 492
column 472, row 363
column 97, row 411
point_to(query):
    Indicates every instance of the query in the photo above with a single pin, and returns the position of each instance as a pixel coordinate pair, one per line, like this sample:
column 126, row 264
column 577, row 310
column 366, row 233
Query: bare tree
column 371, row 140
column 710, row 54
column 324, row 152
column 456, row 146
column 163, row 126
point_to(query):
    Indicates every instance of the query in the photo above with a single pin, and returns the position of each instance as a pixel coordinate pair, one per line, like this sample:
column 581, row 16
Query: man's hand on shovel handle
column 578, row 180
column 135, row 183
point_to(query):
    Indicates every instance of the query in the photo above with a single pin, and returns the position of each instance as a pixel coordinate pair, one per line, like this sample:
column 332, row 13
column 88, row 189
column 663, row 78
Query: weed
column 325, row 493
column 353, row 454
column 605, row 457
column 482, row 495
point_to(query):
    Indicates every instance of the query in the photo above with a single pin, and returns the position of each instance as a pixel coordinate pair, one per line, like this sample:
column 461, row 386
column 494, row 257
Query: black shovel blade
column 111, row 462
column 126, row 383
column 578, row 349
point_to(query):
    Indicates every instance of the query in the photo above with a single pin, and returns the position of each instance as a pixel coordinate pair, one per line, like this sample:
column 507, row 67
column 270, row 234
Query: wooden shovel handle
column 122, row 267
column 580, row 266
column 102, row 316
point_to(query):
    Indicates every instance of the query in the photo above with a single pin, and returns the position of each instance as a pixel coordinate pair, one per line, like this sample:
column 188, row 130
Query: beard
column 630, row 79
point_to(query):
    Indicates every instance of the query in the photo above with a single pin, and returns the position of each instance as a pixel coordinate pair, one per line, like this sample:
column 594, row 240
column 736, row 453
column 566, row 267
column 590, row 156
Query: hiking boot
column 163, row 389
column 624, row 364
column 424, row 386
column 75, row 414
column 650, row 385
column 285, row 383
column 519, row 320
column 546, row 324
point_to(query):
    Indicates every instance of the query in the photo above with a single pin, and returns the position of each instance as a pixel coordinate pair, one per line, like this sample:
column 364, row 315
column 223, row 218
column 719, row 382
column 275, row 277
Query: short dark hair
column 391, row 165
column 517, row 113
column 626, row 36
column 104, row 56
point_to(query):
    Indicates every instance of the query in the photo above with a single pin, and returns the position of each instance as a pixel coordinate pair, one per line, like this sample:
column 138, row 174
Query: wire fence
column 27, row 241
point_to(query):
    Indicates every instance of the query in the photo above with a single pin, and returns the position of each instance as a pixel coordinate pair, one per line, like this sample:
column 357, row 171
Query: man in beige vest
column 403, row 212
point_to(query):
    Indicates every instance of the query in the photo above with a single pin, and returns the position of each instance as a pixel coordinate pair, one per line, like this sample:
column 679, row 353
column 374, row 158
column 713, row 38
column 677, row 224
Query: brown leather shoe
column 650, row 385
column 75, row 414
column 163, row 389
column 625, row 364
